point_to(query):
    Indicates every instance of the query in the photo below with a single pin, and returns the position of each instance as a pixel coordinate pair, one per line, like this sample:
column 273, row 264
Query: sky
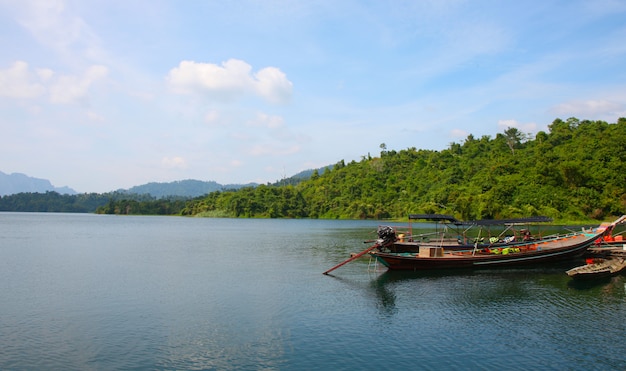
column 106, row 94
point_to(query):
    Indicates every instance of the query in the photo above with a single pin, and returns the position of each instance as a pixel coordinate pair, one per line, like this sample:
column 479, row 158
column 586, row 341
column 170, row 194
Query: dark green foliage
column 572, row 172
column 146, row 207
column 53, row 202
column 63, row 203
column 262, row 201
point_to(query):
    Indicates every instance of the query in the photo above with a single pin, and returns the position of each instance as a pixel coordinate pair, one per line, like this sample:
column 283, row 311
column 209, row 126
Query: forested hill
column 575, row 171
column 16, row 183
column 183, row 188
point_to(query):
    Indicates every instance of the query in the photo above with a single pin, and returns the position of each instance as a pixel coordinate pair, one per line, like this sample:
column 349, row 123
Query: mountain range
column 21, row 183
column 182, row 188
column 18, row 183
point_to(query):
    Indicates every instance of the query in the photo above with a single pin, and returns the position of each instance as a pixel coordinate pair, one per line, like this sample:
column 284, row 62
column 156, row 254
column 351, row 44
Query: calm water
column 91, row 292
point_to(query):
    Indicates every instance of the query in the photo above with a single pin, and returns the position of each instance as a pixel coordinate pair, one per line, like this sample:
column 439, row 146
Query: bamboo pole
column 352, row 258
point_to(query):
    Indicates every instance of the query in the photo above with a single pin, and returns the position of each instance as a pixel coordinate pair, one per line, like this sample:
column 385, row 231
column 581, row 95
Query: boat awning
column 450, row 219
column 435, row 217
column 532, row 219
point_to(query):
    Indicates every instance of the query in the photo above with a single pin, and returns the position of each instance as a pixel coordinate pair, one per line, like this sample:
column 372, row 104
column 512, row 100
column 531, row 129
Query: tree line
column 571, row 172
column 52, row 201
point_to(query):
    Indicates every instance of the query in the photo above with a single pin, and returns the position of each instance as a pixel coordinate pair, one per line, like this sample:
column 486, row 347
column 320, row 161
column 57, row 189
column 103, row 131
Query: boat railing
column 447, row 235
column 514, row 228
column 520, row 245
column 507, row 238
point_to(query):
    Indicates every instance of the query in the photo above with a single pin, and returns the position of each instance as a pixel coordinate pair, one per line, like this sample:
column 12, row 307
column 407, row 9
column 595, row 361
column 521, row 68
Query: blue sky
column 101, row 95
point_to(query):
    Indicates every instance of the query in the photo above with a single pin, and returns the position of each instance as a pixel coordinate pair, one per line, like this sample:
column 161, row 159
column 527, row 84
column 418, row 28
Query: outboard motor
column 386, row 236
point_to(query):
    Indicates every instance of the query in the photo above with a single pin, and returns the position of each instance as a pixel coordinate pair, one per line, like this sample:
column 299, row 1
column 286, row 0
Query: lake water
column 95, row 292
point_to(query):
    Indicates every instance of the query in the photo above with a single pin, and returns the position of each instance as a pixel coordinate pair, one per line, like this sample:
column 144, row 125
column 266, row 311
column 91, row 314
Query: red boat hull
column 530, row 254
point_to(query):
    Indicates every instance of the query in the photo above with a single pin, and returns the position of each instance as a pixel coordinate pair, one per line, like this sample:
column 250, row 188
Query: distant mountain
column 183, row 188
column 21, row 183
column 195, row 188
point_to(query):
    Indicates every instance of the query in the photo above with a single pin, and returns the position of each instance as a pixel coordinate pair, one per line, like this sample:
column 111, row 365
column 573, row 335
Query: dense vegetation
column 62, row 203
column 51, row 202
column 572, row 172
column 162, row 206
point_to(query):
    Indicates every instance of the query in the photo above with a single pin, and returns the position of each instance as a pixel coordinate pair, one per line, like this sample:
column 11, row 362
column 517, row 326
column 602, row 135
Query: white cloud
column 93, row 116
column 458, row 133
column 268, row 121
column 266, row 150
column 589, row 108
column 272, row 84
column 68, row 89
column 527, row 128
column 18, row 82
column 55, row 25
column 229, row 81
column 191, row 77
column 44, row 73
column 174, row 162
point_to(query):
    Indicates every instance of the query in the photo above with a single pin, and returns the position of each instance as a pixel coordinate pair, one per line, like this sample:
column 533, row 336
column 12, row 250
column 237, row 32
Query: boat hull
column 597, row 270
column 592, row 276
column 563, row 248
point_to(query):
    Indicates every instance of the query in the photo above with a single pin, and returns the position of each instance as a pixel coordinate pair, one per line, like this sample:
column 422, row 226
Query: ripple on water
column 100, row 293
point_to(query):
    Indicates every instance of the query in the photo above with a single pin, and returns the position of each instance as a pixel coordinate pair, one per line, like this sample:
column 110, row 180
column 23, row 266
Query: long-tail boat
column 530, row 252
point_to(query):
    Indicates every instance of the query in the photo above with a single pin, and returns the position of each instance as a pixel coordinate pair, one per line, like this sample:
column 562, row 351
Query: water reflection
column 385, row 295
column 484, row 289
column 381, row 294
column 611, row 284
column 184, row 293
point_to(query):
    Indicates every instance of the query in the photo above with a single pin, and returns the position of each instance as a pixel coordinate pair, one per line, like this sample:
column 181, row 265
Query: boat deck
column 513, row 248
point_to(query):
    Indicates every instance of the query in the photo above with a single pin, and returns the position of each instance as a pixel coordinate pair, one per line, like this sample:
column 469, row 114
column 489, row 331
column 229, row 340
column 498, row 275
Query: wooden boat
column 530, row 252
column 598, row 268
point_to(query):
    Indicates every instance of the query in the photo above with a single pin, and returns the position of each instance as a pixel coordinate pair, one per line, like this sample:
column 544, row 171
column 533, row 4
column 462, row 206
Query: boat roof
column 450, row 219
column 435, row 217
column 531, row 219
